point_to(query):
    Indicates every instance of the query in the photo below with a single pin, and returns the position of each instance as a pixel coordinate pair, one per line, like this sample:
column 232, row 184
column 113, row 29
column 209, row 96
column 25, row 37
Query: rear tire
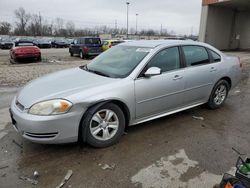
column 219, row 94
column 103, row 126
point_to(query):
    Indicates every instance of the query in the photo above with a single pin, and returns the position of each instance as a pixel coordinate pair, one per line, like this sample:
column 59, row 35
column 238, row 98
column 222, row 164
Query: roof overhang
column 241, row 5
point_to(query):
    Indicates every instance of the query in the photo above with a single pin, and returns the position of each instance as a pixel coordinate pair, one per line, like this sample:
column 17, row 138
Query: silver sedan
column 129, row 84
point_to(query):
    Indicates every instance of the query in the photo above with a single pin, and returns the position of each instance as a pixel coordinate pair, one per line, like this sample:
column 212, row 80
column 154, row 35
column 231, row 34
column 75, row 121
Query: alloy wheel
column 220, row 94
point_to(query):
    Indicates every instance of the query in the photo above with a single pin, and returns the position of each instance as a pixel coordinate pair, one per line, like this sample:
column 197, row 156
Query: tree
column 5, row 28
column 23, row 19
column 70, row 27
column 59, row 26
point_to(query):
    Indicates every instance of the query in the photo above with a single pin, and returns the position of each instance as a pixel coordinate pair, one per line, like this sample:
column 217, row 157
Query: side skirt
column 149, row 118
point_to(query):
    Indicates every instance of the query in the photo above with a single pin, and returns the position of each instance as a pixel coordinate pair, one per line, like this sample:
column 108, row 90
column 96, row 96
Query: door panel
column 199, row 82
column 200, row 74
column 159, row 93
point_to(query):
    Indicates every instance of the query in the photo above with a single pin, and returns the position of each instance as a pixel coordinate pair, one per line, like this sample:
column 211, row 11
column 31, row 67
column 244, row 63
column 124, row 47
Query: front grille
column 20, row 106
column 41, row 135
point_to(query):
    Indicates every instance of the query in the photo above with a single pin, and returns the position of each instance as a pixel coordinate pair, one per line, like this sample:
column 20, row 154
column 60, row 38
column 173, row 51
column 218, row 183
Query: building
column 225, row 24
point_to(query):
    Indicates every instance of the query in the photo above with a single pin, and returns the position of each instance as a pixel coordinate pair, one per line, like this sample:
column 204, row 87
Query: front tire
column 219, row 94
column 103, row 126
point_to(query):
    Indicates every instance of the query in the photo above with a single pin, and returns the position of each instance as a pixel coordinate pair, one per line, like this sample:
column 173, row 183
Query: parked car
column 42, row 43
column 24, row 50
column 109, row 43
column 128, row 84
column 6, row 43
column 59, row 43
column 86, row 46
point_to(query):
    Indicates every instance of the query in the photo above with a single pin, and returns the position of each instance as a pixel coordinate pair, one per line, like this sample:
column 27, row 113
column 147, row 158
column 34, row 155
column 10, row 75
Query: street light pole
column 127, row 17
column 136, row 23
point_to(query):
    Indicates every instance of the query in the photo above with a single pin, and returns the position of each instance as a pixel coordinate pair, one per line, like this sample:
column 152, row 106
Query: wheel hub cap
column 104, row 125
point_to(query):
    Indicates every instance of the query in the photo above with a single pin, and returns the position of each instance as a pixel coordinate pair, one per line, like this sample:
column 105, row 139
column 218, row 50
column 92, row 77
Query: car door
column 160, row 93
column 200, row 74
column 75, row 46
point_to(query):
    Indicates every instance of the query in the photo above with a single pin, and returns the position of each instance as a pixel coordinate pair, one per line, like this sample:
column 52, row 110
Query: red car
column 24, row 50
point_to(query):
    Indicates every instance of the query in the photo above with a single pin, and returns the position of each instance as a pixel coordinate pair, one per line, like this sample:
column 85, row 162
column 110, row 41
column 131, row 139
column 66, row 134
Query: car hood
column 60, row 85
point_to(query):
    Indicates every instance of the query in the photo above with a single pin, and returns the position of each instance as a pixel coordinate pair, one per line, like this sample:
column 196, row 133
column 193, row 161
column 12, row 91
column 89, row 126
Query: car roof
column 89, row 37
column 155, row 43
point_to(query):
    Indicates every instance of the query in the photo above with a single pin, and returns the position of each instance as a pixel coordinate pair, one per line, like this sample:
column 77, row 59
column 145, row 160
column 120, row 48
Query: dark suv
column 86, row 46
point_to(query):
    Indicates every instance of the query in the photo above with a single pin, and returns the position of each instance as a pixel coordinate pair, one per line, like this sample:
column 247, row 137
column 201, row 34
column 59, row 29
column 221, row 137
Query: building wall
column 244, row 29
column 219, row 27
column 203, row 23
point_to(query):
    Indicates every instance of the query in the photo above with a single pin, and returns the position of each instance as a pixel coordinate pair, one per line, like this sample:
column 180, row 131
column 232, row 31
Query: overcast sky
column 178, row 15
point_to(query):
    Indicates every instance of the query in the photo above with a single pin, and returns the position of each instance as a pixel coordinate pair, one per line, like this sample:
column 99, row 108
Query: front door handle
column 177, row 77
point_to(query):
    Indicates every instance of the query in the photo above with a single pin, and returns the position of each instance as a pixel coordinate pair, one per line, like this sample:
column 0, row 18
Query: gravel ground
column 52, row 60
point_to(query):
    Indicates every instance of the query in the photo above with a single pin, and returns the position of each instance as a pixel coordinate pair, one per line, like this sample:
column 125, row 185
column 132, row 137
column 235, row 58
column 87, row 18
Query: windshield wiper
column 85, row 67
column 98, row 72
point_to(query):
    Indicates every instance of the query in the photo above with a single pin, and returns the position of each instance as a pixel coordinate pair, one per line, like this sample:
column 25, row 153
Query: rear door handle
column 177, row 77
column 212, row 69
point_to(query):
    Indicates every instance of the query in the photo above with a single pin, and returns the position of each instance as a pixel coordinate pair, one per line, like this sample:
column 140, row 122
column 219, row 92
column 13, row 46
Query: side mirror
column 152, row 71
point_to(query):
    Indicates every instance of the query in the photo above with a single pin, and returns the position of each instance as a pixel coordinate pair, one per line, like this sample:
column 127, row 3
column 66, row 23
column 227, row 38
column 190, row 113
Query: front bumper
column 46, row 129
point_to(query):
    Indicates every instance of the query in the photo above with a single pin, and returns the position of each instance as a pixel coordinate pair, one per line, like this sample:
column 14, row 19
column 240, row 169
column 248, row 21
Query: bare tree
column 5, row 28
column 70, row 27
column 23, row 19
column 59, row 23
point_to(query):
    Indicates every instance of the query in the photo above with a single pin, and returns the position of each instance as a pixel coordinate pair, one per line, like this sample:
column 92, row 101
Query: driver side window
column 167, row 60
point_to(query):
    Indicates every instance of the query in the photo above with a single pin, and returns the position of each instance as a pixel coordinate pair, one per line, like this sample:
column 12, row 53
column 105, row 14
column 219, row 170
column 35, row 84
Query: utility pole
column 40, row 23
column 136, row 23
column 127, row 17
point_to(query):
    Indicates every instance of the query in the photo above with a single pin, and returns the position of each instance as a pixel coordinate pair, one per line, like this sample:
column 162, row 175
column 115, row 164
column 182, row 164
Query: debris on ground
column 239, row 153
column 32, row 181
column 108, row 167
column 36, row 174
column 54, row 61
column 19, row 145
column 2, row 167
column 66, row 178
column 198, row 118
column 237, row 91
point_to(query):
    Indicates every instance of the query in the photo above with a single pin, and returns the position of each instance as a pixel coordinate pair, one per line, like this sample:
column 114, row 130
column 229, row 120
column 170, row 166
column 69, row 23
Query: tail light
column 85, row 49
column 241, row 64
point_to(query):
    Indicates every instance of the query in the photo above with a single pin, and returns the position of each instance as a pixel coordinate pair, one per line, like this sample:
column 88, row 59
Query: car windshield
column 118, row 62
column 25, row 44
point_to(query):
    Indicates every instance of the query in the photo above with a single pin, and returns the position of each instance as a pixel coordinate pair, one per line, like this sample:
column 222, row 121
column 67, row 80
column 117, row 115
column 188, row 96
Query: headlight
column 51, row 107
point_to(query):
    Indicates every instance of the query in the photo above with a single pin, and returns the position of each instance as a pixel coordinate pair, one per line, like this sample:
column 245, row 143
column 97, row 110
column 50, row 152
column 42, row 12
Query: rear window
column 195, row 55
column 92, row 41
column 216, row 57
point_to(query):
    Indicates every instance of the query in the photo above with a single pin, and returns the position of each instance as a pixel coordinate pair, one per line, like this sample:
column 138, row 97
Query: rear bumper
column 46, row 129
